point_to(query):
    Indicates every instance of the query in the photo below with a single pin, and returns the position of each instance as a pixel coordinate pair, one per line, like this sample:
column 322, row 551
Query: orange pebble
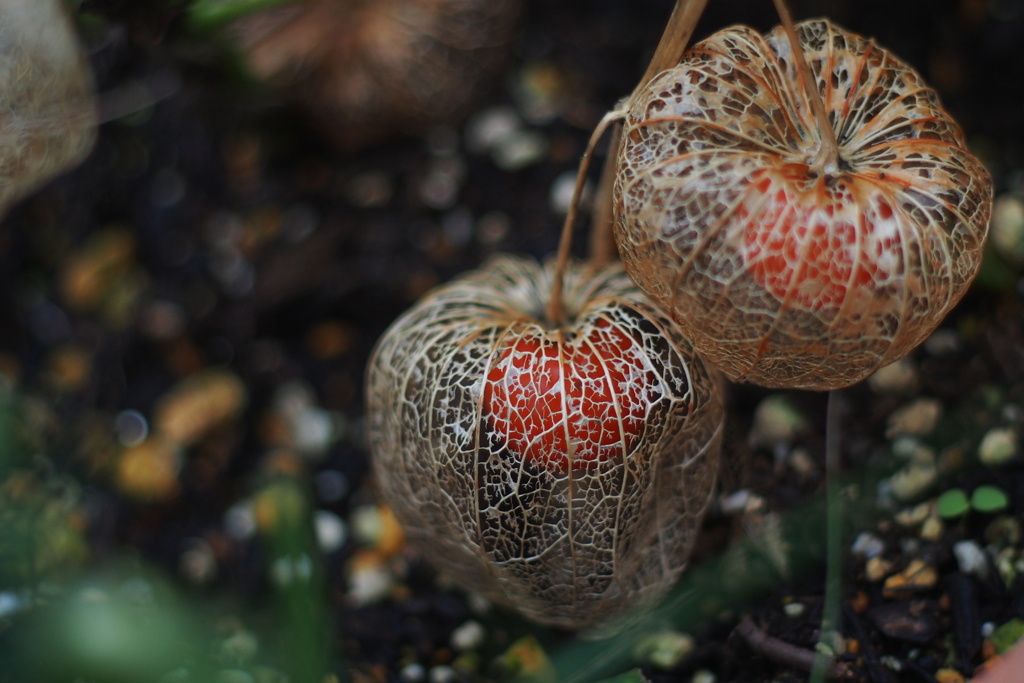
column 860, row 602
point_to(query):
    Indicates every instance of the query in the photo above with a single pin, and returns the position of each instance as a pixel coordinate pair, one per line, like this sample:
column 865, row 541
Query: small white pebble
column 412, row 673
column 932, row 529
column 313, row 430
column 867, row 545
column 294, row 397
column 891, row 663
column 913, row 516
column 1007, row 228
column 479, row 605
column 735, row 502
column 987, row 629
column 367, row 525
column 331, row 532
column 971, row 559
column 442, row 674
column 368, row 585
column 998, row 446
column 240, row 521
column 913, row 480
column 664, row 649
column 520, row 149
column 469, row 636
column 794, row 609
column 490, row 127
column 877, row 569
column 898, row 378
column 917, row 418
column 910, row 448
column 776, row 420
column 561, row 193
column 801, row 462
column 704, row 676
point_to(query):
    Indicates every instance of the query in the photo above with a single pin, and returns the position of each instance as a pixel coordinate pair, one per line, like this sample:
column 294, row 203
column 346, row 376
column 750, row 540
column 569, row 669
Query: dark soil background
column 335, row 245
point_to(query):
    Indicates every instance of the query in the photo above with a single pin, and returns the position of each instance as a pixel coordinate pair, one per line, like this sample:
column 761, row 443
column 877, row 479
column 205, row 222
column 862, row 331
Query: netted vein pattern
column 369, row 68
column 563, row 472
column 780, row 273
column 47, row 97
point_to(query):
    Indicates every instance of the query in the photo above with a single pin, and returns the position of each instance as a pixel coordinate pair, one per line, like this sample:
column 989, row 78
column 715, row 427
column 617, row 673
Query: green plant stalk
column 834, row 532
column 291, row 545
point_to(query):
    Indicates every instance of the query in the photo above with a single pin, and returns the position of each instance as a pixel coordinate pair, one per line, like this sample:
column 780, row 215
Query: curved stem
column 602, row 241
column 556, row 309
column 674, row 40
column 827, row 159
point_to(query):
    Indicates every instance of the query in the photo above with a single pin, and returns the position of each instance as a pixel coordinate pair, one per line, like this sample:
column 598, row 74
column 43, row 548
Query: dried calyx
column 367, row 69
column 826, row 160
column 563, row 472
column 786, row 263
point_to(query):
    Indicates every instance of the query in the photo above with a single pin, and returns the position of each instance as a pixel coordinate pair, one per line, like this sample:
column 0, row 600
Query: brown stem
column 556, row 309
column 784, row 653
column 602, row 241
column 674, row 40
column 827, row 159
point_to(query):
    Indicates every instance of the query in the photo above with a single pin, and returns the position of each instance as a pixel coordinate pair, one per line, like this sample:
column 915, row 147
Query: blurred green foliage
column 40, row 521
column 208, row 15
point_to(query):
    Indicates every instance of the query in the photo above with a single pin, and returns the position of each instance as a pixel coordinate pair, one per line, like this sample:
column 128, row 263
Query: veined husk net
column 47, row 97
column 779, row 274
column 366, row 69
column 478, row 470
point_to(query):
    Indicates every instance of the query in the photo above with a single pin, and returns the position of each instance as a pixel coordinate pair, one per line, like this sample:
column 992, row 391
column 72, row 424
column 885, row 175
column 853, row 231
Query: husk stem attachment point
column 555, row 313
column 678, row 31
column 827, row 159
column 674, row 40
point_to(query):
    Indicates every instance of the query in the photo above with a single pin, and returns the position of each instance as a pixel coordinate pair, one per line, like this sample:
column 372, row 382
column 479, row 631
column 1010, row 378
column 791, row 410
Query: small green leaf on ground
column 952, row 504
column 989, row 499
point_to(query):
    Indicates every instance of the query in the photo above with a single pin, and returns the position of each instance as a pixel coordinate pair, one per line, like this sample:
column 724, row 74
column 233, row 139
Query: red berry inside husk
column 814, row 242
column 580, row 401
column 562, row 471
